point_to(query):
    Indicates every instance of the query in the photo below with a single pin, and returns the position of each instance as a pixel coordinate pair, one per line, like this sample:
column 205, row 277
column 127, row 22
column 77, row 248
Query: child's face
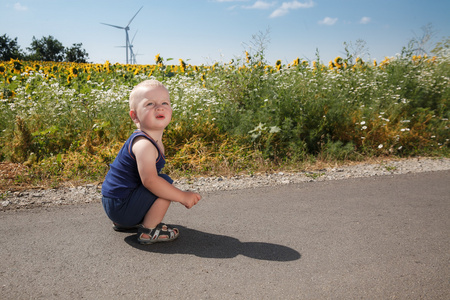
column 152, row 112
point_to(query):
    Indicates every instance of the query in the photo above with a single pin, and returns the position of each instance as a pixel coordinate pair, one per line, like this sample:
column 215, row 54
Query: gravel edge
column 92, row 193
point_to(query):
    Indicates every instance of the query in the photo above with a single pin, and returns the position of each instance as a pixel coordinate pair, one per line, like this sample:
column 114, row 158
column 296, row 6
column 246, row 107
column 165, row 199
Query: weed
column 389, row 168
column 314, row 175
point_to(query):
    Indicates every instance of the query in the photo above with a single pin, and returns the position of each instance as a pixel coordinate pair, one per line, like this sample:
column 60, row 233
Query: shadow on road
column 208, row 245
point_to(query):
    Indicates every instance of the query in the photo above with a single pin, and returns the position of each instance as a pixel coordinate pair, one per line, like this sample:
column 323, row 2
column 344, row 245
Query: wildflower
column 247, row 57
column 259, row 128
column 274, row 129
column 338, row 62
column 158, row 59
column 380, row 146
column 278, row 65
column 331, row 65
column 182, row 65
column 17, row 66
column 74, row 71
column 385, row 61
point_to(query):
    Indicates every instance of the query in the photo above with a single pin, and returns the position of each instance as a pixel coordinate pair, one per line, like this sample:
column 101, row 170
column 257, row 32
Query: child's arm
column 146, row 155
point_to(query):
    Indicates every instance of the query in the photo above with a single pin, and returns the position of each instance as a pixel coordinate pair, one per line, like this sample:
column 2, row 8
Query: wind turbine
column 126, row 28
column 132, row 55
column 136, row 54
column 130, row 46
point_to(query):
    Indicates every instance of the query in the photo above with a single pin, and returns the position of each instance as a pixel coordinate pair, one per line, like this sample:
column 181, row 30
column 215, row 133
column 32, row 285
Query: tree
column 76, row 54
column 9, row 49
column 46, row 49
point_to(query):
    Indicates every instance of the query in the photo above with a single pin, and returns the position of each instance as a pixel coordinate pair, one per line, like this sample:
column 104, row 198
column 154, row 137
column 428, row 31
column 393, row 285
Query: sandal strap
column 146, row 230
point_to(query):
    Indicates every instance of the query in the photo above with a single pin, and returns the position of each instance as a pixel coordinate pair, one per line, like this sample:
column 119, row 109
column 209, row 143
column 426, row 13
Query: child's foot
column 161, row 233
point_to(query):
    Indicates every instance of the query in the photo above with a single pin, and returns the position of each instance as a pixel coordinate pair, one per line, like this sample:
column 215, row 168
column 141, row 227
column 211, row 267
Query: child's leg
column 155, row 214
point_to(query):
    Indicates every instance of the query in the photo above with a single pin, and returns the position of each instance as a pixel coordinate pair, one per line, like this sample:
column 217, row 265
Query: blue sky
column 208, row 31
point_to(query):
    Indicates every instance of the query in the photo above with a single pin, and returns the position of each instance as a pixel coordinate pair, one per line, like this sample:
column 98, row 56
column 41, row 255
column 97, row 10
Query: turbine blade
column 113, row 26
column 133, row 37
column 134, row 16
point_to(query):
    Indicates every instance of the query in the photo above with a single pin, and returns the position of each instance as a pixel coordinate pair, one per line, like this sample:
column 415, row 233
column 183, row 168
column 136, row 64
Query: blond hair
column 144, row 84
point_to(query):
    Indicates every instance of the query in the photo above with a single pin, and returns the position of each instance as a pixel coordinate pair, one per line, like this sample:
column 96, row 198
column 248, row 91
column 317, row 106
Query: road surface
column 382, row 237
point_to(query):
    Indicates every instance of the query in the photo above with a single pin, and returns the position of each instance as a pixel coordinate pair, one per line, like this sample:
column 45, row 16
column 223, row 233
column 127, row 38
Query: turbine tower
column 126, row 28
column 132, row 55
column 130, row 46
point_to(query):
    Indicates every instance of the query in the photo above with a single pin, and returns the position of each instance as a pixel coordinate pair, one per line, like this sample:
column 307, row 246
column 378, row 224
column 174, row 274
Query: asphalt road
column 368, row 238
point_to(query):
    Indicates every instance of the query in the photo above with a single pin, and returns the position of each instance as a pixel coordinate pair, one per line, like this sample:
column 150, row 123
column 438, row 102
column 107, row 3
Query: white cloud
column 260, row 5
column 232, row 7
column 328, row 21
column 18, row 6
column 288, row 6
column 365, row 20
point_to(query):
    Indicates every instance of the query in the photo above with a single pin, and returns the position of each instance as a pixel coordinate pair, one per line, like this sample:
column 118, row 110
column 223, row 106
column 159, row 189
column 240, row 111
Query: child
column 135, row 193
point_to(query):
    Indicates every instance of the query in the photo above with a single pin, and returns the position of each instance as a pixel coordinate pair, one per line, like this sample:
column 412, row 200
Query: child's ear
column 134, row 116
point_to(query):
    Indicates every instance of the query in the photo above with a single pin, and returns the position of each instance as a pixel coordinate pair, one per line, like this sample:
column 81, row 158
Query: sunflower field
column 66, row 121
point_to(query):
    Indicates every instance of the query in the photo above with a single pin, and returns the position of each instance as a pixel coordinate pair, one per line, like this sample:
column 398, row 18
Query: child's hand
column 190, row 199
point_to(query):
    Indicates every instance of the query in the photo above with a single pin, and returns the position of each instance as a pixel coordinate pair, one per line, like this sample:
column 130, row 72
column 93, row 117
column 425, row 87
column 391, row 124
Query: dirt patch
column 13, row 177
